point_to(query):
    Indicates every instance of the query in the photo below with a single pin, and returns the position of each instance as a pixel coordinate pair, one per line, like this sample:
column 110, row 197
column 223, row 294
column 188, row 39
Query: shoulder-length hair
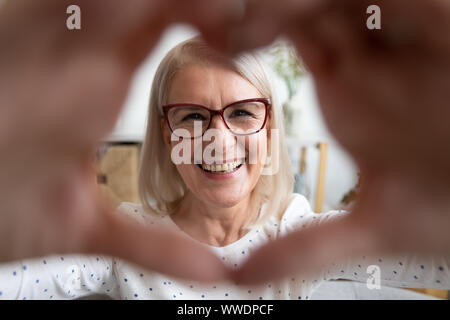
column 160, row 185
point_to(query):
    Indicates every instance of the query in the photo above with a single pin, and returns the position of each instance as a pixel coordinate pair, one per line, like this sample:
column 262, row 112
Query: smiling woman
column 192, row 84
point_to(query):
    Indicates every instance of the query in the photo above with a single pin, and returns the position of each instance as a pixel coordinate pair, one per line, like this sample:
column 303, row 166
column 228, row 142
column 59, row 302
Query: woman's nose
column 217, row 123
column 221, row 133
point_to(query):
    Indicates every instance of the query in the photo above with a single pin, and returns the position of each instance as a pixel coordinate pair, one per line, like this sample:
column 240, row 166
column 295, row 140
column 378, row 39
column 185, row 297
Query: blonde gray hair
column 160, row 185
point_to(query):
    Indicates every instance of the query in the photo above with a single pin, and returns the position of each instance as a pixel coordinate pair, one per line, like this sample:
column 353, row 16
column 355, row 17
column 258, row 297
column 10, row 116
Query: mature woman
column 214, row 168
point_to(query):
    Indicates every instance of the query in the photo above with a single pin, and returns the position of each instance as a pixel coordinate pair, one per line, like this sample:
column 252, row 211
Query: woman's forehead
column 210, row 85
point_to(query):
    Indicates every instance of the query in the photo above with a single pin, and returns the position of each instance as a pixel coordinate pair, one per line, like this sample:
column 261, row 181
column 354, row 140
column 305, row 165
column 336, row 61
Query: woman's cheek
column 181, row 152
column 262, row 143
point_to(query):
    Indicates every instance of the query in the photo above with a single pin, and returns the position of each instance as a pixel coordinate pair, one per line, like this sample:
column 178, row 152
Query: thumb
column 156, row 249
column 306, row 251
column 108, row 231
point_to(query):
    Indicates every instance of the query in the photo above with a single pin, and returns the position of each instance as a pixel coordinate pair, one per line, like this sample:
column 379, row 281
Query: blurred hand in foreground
column 61, row 92
column 385, row 96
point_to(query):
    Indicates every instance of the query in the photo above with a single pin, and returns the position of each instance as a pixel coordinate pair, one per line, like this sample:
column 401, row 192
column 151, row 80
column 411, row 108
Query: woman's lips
column 226, row 167
column 219, row 175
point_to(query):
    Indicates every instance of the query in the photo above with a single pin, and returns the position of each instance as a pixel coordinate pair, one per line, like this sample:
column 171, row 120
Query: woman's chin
column 224, row 200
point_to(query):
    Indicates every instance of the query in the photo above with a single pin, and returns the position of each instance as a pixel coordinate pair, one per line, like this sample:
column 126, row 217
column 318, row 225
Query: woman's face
column 216, row 87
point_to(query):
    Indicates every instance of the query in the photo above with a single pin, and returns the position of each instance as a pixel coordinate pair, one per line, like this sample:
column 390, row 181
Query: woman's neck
column 212, row 225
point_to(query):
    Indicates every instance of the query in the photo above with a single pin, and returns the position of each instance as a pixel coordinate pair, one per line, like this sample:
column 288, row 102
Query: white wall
column 132, row 121
column 341, row 173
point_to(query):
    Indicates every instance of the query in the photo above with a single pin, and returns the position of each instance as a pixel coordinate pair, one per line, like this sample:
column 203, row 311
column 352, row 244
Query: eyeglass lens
column 243, row 118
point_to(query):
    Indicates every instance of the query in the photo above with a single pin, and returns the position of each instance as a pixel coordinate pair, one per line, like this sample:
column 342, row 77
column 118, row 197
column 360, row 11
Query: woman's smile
column 226, row 170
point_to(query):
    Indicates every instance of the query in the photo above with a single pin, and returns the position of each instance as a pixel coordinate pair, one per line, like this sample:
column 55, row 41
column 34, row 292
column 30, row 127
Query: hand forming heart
column 383, row 94
column 61, row 92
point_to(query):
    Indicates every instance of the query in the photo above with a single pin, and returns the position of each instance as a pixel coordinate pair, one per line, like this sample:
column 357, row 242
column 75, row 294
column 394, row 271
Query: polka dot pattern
column 73, row 276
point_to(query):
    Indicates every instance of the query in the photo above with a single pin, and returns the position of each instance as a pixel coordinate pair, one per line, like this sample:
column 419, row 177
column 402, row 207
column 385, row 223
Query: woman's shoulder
column 298, row 206
column 299, row 214
column 137, row 212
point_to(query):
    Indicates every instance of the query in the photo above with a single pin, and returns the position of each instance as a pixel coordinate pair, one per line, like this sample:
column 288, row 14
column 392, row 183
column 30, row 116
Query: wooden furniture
column 301, row 185
column 442, row 294
column 118, row 171
column 303, row 161
column 320, row 189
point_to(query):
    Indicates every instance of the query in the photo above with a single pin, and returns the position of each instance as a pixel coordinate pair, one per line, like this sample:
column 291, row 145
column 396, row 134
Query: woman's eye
column 193, row 116
column 240, row 113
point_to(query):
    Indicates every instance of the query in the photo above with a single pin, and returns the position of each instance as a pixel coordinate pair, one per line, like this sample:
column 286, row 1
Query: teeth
column 226, row 167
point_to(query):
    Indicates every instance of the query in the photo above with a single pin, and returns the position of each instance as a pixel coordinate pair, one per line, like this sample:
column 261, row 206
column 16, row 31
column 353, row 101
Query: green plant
column 287, row 66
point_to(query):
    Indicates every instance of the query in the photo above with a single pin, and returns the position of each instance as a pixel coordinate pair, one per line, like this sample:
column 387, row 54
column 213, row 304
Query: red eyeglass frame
column 267, row 103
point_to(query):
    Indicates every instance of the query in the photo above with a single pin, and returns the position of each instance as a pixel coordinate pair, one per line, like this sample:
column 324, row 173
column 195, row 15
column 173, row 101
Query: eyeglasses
column 242, row 118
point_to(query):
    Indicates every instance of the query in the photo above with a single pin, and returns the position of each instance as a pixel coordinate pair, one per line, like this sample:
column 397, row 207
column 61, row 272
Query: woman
column 214, row 129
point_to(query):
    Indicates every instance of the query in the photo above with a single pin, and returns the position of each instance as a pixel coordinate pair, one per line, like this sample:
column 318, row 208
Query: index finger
column 158, row 249
column 306, row 251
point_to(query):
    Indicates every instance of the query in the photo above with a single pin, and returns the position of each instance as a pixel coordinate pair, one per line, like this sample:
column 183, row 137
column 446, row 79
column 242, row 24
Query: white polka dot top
column 75, row 276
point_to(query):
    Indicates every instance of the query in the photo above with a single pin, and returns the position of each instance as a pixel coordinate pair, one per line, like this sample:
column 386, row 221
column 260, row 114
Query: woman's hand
column 60, row 93
column 385, row 96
